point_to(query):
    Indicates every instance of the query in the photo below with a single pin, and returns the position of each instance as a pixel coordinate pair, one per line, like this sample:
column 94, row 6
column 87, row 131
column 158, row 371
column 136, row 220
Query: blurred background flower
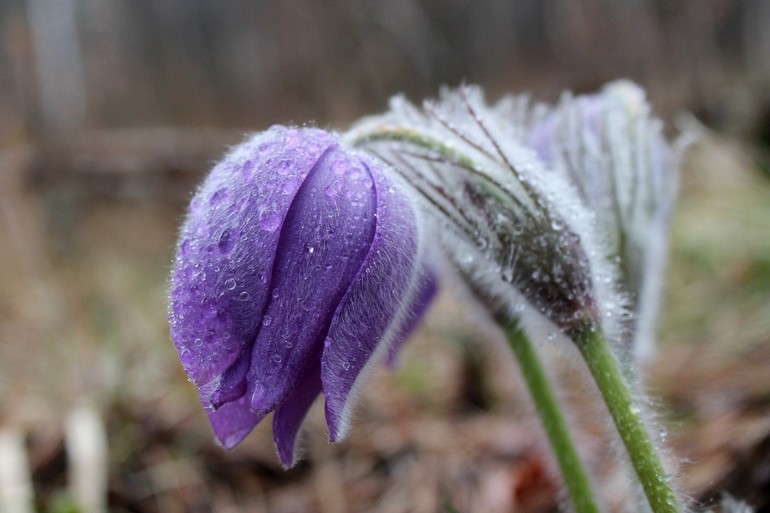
column 112, row 112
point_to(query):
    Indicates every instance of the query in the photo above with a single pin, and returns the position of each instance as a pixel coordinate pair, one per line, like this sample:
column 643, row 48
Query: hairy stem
column 627, row 416
column 554, row 423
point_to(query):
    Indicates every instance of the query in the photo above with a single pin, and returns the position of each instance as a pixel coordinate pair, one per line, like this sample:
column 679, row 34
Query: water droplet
column 345, row 365
column 275, row 294
column 310, row 249
column 283, row 166
column 186, row 356
column 290, row 187
column 244, row 296
column 267, row 320
column 277, row 358
column 230, row 284
column 271, row 222
column 225, row 243
column 248, row 167
column 197, row 342
column 217, row 197
column 293, row 139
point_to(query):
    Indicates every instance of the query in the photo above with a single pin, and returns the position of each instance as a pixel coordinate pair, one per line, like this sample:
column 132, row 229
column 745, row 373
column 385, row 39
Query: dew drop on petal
column 290, row 187
column 225, row 243
column 283, row 166
column 217, row 197
column 271, row 222
column 244, row 296
column 230, row 284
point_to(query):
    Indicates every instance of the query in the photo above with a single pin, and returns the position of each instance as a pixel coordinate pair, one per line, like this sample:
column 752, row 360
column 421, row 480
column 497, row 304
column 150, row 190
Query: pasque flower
column 299, row 265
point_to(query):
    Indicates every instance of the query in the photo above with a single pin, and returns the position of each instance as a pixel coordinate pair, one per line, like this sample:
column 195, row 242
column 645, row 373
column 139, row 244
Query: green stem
column 554, row 423
column 627, row 416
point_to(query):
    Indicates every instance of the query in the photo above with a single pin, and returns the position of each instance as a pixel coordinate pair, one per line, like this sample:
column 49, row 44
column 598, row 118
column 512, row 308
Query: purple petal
column 325, row 238
column 292, row 412
column 423, row 297
column 375, row 307
column 220, row 284
column 233, row 421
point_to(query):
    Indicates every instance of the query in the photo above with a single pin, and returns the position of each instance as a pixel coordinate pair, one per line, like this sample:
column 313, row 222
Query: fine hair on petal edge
column 401, row 316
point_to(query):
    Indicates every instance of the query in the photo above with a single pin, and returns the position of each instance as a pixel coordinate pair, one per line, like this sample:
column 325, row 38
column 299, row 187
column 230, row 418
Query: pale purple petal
column 291, row 413
column 325, row 238
column 369, row 316
column 220, row 283
column 233, row 421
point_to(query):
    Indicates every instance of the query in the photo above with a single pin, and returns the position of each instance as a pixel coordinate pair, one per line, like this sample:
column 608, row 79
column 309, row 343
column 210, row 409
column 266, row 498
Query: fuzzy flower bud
column 299, row 265
column 514, row 229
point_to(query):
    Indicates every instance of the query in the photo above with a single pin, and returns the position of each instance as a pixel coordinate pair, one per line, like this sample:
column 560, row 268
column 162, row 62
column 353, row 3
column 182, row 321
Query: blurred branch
column 131, row 163
column 15, row 480
column 86, row 443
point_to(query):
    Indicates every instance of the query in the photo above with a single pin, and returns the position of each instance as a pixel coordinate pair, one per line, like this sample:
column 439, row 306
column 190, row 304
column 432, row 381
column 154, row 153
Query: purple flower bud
column 300, row 264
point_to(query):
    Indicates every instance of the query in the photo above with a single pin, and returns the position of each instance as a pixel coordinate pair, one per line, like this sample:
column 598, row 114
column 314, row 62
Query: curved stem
column 627, row 416
column 554, row 423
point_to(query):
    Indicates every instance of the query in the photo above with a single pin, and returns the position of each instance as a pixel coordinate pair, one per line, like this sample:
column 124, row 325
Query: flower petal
column 220, row 283
column 233, row 421
column 375, row 307
column 326, row 236
column 291, row 413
